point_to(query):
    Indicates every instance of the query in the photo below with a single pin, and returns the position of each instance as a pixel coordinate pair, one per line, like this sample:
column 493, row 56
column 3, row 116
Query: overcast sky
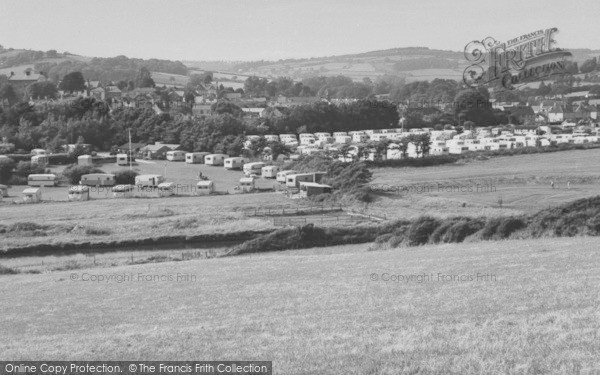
column 272, row 30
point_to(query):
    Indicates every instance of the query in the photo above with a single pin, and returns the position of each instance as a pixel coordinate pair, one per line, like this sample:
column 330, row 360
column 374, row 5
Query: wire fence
column 292, row 210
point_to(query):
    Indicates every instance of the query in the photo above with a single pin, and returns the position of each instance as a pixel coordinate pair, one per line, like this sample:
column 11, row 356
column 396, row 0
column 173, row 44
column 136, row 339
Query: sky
column 272, row 30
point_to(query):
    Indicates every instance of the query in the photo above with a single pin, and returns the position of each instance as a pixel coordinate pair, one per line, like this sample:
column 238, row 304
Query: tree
column 472, row 105
column 73, row 82
column 40, row 90
column 222, row 107
column 588, row 66
column 144, row 78
column 7, row 92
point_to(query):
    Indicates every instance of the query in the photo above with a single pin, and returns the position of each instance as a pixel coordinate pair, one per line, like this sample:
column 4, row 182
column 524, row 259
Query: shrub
column 125, row 177
column 421, row 229
column 97, row 232
column 74, row 172
column 7, row 271
column 462, row 229
column 60, row 159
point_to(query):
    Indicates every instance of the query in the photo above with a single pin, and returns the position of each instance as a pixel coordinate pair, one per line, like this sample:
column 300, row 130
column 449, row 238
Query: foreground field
column 533, row 309
column 522, row 183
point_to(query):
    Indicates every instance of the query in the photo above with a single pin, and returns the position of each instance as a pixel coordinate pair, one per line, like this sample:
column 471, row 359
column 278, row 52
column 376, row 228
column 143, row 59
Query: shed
column 84, row 160
column 79, row 193
column 308, row 189
column 4, row 190
column 205, row 187
column 32, row 195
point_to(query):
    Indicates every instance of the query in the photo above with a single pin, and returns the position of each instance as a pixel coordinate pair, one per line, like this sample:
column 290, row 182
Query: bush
column 7, row 271
column 60, row 159
column 125, row 177
column 421, row 229
column 6, row 148
column 6, row 169
column 24, row 169
column 74, row 172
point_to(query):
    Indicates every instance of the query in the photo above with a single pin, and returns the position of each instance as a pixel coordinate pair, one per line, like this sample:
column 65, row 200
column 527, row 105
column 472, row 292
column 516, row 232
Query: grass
column 127, row 219
column 521, row 181
column 317, row 310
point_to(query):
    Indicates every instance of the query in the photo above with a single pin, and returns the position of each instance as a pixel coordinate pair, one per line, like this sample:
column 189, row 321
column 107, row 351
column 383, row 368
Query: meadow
column 475, row 188
column 511, row 307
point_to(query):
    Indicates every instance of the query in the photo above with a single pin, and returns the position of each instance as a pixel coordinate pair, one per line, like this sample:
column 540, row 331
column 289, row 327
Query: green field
column 183, row 174
column 522, row 182
column 318, row 311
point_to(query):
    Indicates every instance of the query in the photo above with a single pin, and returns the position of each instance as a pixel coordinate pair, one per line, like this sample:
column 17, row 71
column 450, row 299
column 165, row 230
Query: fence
column 337, row 219
column 291, row 210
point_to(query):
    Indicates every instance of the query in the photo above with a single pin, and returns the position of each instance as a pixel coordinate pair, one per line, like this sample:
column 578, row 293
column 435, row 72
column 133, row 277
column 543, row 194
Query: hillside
column 411, row 63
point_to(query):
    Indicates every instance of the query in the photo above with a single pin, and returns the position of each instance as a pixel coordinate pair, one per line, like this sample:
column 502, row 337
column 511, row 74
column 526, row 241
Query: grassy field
column 119, row 219
column 321, row 311
column 183, row 174
column 522, row 183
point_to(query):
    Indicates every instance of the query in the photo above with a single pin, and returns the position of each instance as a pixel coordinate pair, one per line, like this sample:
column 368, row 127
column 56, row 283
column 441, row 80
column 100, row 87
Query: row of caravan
column 94, row 179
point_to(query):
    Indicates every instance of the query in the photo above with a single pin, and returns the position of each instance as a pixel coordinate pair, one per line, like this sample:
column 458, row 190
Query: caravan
column 175, row 155
column 149, row 180
column 124, row 159
column 195, row 157
column 281, row 176
column 253, row 168
column 270, row 171
column 293, row 180
column 97, row 179
column 79, row 193
column 215, row 159
column 235, row 162
column 41, row 180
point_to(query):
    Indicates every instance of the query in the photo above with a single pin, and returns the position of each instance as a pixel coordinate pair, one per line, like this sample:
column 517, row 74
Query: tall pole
column 130, row 149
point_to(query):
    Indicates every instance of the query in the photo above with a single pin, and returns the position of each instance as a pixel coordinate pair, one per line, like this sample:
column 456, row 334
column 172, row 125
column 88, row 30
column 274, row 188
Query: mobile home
column 166, row 189
column 124, row 159
column 215, row 159
column 246, row 184
column 195, row 157
column 281, row 176
column 123, row 191
column 149, row 180
column 41, row 180
column 270, row 171
column 293, row 180
column 253, row 168
column 98, row 179
column 175, row 155
column 205, row 187
column 32, row 195
column 79, row 193
column 272, row 138
column 235, row 162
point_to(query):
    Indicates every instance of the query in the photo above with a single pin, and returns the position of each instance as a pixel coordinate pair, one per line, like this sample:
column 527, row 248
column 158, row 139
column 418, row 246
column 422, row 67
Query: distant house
column 232, row 95
column 158, row 150
column 297, row 100
column 24, row 79
column 202, row 110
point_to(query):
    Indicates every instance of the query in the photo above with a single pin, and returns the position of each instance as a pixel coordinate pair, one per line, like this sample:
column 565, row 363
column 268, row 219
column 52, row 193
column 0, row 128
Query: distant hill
column 411, row 63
